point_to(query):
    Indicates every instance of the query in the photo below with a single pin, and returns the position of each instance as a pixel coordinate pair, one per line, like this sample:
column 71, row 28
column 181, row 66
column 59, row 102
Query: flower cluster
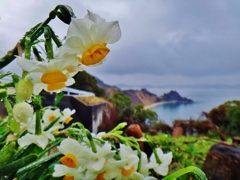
column 86, row 44
column 80, row 162
column 52, row 120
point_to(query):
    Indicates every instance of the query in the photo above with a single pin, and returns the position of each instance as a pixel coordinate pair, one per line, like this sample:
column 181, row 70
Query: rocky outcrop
column 142, row 96
column 222, row 163
column 174, row 96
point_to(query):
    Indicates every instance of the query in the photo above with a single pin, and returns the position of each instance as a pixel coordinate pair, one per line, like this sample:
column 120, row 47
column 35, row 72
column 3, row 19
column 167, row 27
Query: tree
column 146, row 116
column 122, row 104
column 227, row 117
column 86, row 82
column 120, row 101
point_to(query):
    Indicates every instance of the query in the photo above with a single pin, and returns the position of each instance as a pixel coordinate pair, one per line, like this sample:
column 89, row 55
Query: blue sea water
column 205, row 100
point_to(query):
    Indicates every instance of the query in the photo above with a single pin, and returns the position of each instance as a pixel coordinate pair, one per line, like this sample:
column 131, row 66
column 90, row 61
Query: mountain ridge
column 144, row 96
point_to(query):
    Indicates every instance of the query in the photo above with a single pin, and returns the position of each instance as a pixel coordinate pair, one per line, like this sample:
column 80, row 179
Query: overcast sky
column 164, row 42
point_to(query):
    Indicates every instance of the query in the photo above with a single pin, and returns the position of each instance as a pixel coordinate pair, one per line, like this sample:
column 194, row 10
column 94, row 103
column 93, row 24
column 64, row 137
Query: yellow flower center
column 68, row 178
column 53, row 77
column 127, row 172
column 68, row 120
column 71, row 69
column 100, row 176
column 69, row 160
column 53, row 87
column 51, row 117
column 55, row 80
column 94, row 55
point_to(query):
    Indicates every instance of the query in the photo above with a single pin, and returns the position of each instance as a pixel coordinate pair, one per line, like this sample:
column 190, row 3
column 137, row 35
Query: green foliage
column 227, row 117
column 84, row 81
column 120, row 101
column 141, row 115
column 187, row 150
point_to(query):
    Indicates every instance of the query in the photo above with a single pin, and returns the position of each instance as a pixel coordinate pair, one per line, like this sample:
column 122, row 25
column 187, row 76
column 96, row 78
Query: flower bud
column 3, row 93
column 22, row 111
column 24, row 89
column 65, row 14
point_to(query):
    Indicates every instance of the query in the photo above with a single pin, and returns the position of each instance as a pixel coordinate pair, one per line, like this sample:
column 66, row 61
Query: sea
column 204, row 100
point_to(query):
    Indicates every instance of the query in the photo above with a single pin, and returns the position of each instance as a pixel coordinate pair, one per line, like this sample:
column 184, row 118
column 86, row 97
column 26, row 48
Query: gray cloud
column 188, row 40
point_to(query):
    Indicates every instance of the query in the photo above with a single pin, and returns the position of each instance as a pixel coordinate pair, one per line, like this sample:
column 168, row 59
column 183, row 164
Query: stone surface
column 222, row 163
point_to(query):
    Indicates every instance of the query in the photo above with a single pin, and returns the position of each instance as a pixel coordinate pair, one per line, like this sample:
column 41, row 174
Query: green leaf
column 4, row 136
column 58, row 98
column 4, row 75
column 199, row 174
column 15, row 165
column 24, row 151
column 7, row 153
column 39, row 162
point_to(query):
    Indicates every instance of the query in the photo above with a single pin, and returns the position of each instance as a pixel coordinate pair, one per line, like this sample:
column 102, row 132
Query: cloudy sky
column 164, row 42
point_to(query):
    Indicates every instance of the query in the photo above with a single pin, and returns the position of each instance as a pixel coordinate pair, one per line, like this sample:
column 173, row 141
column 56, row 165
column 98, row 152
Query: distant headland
column 145, row 97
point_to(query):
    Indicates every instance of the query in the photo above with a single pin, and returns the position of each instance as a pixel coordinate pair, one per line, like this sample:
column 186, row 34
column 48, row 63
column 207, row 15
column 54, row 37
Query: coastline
column 155, row 104
column 158, row 103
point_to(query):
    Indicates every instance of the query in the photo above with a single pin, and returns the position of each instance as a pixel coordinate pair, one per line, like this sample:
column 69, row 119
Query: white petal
column 81, row 28
column 29, row 65
column 97, row 165
column 75, row 42
column 42, row 141
column 59, row 170
column 70, row 81
column 167, row 158
column 38, row 87
column 26, row 140
column 94, row 17
column 162, row 170
column 107, row 32
column 70, row 146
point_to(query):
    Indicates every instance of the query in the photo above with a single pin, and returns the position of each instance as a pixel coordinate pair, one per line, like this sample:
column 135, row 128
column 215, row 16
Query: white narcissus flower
column 67, row 113
column 51, row 76
column 40, row 140
column 68, row 173
column 96, row 161
column 50, row 115
column 87, row 39
column 72, row 151
column 128, row 164
column 165, row 159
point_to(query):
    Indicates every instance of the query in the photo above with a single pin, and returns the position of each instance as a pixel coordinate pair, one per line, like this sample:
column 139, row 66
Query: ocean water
column 205, row 100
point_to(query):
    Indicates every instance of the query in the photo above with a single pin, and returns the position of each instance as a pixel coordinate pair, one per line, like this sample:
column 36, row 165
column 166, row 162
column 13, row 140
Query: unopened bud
column 24, row 89
column 22, row 111
column 3, row 93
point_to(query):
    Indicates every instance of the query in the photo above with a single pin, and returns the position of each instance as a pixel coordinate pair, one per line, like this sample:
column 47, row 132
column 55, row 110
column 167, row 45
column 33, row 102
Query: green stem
column 6, row 85
column 55, row 38
column 27, row 47
column 8, row 108
column 36, row 53
column 154, row 151
column 156, row 156
column 48, row 149
column 38, row 128
column 90, row 138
